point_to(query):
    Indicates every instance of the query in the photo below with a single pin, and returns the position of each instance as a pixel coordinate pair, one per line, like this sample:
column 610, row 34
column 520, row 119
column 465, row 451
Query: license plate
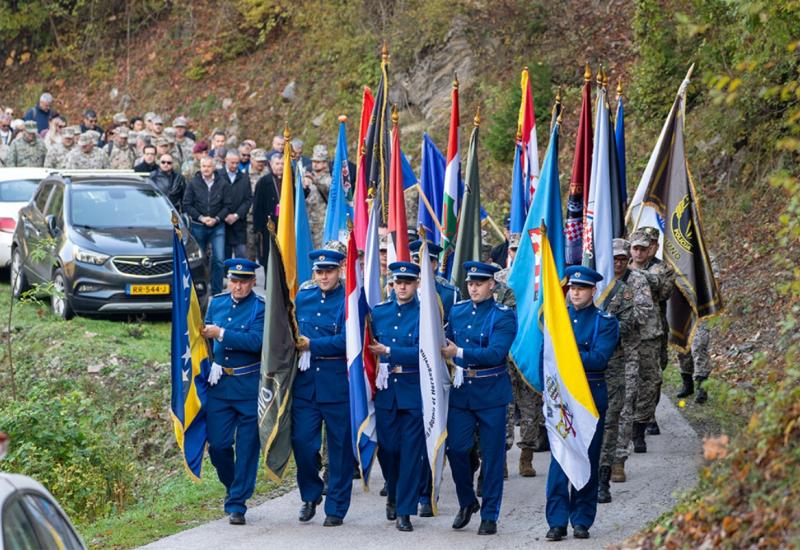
column 140, row 290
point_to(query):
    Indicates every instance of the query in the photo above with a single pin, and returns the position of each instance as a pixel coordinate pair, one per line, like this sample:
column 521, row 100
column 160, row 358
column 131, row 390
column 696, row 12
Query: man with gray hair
column 41, row 113
column 27, row 150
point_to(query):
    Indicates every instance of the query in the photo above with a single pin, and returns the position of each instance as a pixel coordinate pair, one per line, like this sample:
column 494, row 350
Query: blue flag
column 302, row 230
column 338, row 209
column 189, row 363
column 409, row 178
column 526, row 349
column 519, row 193
column 432, row 187
column 620, row 139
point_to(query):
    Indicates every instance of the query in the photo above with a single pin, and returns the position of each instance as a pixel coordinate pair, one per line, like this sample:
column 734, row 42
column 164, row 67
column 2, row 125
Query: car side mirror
column 52, row 226
column 187, row 221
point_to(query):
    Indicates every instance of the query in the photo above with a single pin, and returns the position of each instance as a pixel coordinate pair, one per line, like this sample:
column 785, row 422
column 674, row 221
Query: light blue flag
column 302, row 230
column 525, row 277
column 338, row 209
column 519, row 193
column 432, row 187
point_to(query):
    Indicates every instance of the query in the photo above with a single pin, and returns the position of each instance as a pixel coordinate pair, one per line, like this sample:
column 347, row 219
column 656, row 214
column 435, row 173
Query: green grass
column 92, row 423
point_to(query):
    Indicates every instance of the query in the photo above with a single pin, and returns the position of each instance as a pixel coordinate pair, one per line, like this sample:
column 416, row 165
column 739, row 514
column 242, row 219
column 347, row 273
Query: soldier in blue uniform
column 479, row 335
column 235, row 322
column 596, row 334
column 398, row 401
column 448, row 293
column 321, row 392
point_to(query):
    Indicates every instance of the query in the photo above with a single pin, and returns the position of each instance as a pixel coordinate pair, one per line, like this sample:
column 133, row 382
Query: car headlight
column 195, row 254
column 89, row 256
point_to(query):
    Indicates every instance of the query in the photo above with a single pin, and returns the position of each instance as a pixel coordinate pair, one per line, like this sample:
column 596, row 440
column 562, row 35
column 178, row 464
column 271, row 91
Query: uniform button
column 395, row 327
column 469, row 326
column 229, row 319
column 322, row 301
column 574, row 320
column 394, row 340
column 317, row 369
column 318, row 314
column 394, row 380
column 467, row 339
column 469, row 381
column 234, row 305
column 399, row 314
column 473, row 313
column 316, row 328
column 226, row 357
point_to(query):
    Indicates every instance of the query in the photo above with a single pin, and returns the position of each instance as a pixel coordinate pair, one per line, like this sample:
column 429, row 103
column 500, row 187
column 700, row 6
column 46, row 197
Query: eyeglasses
column 91, row 120
column 166, row 162
column 245, row 156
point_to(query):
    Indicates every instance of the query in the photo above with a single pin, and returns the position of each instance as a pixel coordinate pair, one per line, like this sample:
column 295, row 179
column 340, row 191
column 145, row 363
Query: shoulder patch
column 501, row 307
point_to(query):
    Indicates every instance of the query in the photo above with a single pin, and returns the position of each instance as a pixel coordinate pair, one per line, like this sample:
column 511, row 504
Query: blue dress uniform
column 483, row 333
column 448, row 294
column 398, row 407
column 596, row 334
column 321, row 393
column 232, row 401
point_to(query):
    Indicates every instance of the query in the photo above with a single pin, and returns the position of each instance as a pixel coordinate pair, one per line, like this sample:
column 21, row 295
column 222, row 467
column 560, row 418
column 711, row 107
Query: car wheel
column 59, row 300
column 19, row 282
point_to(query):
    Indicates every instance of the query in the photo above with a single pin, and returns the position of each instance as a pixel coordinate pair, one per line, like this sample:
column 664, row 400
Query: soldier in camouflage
column 57, row 155
column 258, row 169
column 630, row 301
column 526, row 400
column 121, row 155
column 317, row 183
column 86, row 156
column 27, row 149
column 183, row 144
column 652, row 331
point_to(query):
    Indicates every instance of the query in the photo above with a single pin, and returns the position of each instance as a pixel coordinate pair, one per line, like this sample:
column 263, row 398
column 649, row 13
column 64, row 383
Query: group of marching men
column 621, row 338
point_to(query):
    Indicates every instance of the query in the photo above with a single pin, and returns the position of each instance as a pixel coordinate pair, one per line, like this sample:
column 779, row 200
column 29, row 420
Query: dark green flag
column 468, row 236
column 278, row 367
column 671, row 191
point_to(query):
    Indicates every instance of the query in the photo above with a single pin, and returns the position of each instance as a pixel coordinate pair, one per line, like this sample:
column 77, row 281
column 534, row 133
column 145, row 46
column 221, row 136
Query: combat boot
column 688, row 386
column 618, row 472
column 604, row 489
column 652, row 428
column 639, row 445
column 526, row 463
column 702, row 394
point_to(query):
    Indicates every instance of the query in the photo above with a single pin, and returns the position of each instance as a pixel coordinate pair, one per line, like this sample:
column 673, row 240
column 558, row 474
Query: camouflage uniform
column 317, row 203
column 697, row 363
column 57, row 156
column 96, row 159
column 121, row 158
column 22, row 152
column 252, row 237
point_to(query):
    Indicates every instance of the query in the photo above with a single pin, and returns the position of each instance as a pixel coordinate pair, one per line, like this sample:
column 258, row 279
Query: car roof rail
column 97, row 173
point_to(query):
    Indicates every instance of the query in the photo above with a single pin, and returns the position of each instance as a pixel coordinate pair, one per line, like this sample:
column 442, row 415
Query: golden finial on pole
column 455, row 81
column 587, row 72
column 605, row 79
column 286, row 135
column 385, row 53
column 477, row 120
column 600, row 76
column 349, row 224
column 395, row 115
column 342, row 118
column 558, row 95
column 619, row 88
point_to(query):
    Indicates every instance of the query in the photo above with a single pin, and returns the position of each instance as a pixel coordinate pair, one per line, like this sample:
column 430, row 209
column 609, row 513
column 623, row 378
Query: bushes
column 67, row 443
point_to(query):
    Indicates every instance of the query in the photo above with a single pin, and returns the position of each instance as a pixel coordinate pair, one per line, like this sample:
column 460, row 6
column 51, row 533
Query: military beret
column 200, row 147
column 404, row 270
column 582, row 276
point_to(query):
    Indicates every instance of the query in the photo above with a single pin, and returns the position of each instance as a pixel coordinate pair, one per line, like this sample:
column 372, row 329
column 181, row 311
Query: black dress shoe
column 425, row 510
column 332, row 521
column 488, row 527
column 580, row 532
column 404, row 523
column 236, row 519
column 556, row 533
column 465, row 514
column 307, row 510
column 391, row 511
column 383, row 492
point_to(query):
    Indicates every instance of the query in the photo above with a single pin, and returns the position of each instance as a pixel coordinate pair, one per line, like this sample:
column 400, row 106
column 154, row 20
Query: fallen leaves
column 715, row 448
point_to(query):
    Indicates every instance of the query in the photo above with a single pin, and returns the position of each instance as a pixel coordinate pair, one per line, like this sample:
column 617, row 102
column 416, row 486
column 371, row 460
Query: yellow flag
column 286, row 232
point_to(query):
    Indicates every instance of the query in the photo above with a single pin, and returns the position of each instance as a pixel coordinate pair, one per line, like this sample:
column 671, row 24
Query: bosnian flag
column 526, row 127
column 362, row 409
column 452, row 179
column 570, row 414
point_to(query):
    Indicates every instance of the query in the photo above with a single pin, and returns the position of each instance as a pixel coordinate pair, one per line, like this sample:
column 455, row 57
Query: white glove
column 458, row 378
column 305, row 361
column 382, row 379
column 216, row 374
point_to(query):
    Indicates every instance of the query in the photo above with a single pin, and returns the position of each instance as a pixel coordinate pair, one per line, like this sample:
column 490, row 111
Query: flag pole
column 428, row 207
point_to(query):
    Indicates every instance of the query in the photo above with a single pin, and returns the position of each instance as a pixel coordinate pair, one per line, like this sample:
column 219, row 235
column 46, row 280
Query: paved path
column 670, row 466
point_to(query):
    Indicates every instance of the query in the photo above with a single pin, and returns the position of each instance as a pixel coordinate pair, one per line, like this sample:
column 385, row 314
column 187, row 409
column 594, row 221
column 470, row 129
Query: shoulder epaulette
column 501, row 307
column 226, row 293
column 308, row 285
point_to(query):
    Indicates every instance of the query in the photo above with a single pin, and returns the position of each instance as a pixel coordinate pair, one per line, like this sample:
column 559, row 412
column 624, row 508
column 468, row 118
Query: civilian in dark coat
column 169, row 181
column 205, row 203
column 148, row 163
column 238, row 199
column 41, row 112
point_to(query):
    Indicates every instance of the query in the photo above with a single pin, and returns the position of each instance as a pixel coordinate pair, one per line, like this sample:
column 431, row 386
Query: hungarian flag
column 278, row 363
column 581, row 173
column 569, row 410
column 397, row 224
column 671, row 192
column 362, row 408
column 452, row 179
column 286, row 226
column 360, row 207
column 468, row 240
column 526, row 129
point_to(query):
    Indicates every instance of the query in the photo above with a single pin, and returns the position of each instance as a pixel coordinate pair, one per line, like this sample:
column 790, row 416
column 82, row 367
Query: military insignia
column 681, row 224
column 473, row 269
column 239, row 267
column 403, row 268
column 322, row 257
column 577, row 275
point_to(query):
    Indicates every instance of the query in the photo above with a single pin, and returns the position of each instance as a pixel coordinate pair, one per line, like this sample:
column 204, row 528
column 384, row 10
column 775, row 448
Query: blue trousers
column 401, row 437
column 461, row 424
column 234, row 422
column 307, row 418
column 565, row 504
column 216, row 237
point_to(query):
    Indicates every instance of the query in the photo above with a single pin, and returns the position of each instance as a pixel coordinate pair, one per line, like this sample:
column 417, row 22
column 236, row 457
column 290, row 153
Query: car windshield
column 17, row 190
column 118, row 206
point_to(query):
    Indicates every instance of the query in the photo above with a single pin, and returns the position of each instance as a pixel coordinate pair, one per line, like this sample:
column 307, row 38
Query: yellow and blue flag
column 570, row 414
column 190, row 364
